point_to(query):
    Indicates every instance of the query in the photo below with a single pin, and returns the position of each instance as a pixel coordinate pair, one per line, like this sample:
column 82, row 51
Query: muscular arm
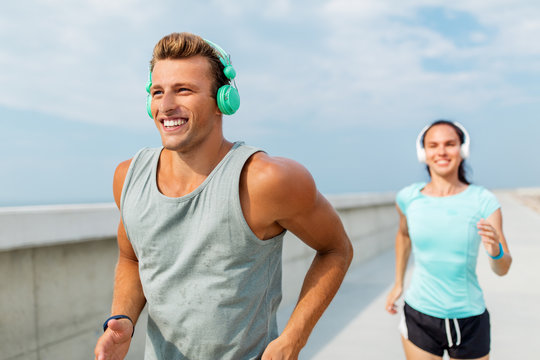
column 128, row 297
column 281, row 194
column 321, row 229
column 403, row 251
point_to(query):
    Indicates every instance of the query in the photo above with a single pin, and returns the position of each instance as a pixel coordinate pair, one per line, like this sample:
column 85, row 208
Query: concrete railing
column 57, row 265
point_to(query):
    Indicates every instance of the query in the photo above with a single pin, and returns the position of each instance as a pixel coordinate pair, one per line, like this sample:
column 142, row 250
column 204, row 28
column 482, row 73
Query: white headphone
column 465, row 149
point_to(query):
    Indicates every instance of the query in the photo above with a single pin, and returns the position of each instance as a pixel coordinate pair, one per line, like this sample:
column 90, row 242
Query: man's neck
column 179, row 173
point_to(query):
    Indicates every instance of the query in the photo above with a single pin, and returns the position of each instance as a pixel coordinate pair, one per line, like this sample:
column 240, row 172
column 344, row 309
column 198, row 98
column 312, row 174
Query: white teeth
column 170, row 123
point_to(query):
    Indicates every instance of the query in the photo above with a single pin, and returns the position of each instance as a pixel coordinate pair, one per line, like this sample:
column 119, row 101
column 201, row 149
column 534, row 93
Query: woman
column 443, row 222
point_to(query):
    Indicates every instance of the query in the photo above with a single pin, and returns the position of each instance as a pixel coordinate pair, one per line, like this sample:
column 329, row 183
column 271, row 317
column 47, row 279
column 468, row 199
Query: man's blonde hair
column 185, row 45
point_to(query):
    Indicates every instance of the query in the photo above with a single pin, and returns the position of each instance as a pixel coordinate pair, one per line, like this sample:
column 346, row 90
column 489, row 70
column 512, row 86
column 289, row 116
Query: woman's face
column 442, row 146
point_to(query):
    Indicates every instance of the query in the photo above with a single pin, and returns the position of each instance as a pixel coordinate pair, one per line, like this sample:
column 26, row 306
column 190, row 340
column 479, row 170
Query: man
column 202, row 223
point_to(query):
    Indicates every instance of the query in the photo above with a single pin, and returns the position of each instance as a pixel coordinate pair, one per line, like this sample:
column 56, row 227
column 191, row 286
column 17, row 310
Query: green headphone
column 227, row 97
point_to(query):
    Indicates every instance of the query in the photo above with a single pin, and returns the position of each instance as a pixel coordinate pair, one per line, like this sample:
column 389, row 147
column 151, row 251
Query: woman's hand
column 391, row 299
column 490, row 237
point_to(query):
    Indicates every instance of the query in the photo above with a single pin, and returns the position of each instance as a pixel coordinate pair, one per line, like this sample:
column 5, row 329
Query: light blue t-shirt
column 445, row 244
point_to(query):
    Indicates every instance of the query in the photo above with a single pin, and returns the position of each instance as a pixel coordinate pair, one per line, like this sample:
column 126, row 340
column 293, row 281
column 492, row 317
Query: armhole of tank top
column 127, row 180
column 238, row 205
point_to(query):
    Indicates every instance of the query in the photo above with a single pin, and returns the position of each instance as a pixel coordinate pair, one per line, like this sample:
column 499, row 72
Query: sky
column 341, row 86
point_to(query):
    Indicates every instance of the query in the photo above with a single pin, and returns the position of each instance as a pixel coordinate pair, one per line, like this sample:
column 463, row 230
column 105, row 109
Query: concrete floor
column 356, row 326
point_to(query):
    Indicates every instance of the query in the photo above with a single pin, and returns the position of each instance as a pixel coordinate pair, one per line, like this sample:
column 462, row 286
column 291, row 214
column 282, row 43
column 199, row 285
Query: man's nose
column 168, row 103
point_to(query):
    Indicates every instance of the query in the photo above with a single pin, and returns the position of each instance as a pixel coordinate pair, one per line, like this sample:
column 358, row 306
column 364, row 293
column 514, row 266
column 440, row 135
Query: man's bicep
column 319, row 226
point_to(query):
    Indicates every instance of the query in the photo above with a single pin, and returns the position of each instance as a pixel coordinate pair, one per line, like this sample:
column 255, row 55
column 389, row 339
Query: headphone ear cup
column 149, row 96
column 228, row 99
column 421, row 155
column 464, row 151
column 149, row 105
column 420, row 151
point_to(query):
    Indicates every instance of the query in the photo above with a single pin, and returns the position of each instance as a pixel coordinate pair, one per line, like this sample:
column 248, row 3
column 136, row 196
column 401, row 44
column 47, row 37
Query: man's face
column 184, row 110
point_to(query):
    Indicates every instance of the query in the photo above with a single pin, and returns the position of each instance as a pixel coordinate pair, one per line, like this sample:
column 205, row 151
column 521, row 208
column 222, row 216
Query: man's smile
column 174, row 123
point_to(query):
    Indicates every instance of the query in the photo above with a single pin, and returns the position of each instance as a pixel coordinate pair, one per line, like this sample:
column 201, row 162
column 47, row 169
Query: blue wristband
column 116, row 317
column 501, row 253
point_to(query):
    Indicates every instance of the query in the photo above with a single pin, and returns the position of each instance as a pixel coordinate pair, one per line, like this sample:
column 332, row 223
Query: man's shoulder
column 122, row 170
column 123, row 167
column 273, row 170
column 278, row 180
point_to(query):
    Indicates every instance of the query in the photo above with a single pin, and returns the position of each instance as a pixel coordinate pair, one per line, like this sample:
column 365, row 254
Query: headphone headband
column 465, row 148
column 224, row 57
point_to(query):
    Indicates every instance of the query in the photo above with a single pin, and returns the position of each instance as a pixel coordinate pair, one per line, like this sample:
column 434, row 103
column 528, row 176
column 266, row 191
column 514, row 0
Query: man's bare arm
column 128, row 297
column 283, row 195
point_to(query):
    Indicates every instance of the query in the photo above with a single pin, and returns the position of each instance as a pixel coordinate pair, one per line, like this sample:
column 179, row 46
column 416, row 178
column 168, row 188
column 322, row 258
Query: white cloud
column 349, row 61
column 332, row 69
column 55, row 56
column 382, row 60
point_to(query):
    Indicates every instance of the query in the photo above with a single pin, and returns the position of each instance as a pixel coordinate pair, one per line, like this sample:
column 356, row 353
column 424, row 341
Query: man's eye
column 156, row 92
column 183, row 90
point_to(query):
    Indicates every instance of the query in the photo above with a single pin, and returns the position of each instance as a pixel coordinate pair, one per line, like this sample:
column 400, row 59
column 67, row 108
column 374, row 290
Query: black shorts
column 466, row 338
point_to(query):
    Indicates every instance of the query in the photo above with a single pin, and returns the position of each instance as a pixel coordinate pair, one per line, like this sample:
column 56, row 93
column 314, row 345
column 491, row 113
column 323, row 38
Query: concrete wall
column 57, row 265
column 371, row 223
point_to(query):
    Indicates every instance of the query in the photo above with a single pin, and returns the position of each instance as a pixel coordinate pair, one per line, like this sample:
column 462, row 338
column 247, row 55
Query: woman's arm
column 492, row 235
column 403, row 251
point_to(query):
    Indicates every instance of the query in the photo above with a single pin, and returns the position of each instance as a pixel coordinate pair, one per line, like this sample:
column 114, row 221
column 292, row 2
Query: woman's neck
column 443, row 187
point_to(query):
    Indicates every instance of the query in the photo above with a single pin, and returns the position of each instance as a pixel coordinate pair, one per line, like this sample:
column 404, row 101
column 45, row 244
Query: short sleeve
column 489, row 203
column 406, row 195
column 401, row 201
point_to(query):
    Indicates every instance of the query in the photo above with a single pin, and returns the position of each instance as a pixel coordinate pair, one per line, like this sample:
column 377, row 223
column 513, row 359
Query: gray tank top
column 212, row 287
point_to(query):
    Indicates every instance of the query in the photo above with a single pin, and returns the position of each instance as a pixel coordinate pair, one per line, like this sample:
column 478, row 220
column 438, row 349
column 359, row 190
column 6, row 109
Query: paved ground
column 356, row 326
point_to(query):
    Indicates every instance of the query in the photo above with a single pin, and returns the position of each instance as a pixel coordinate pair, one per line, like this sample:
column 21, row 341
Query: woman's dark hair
column 462, row 176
